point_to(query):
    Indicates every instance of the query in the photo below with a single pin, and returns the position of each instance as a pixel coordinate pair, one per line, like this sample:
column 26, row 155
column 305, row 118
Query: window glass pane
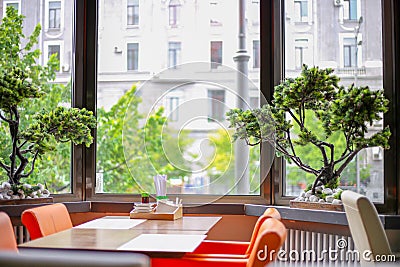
column 54, row 14
column 216, row 54
column 14, row 5
column 174, row 51
column 54, row 50
column 165, row 120
column 133, row 12
column 133, row 56
column 356, row 57
column 256, row 54
column 53, row 168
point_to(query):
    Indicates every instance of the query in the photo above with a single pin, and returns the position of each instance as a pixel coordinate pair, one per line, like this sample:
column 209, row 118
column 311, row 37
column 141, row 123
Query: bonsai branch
column 348, row 160
column 5, row 167
column 32, row 166
column 4, row 118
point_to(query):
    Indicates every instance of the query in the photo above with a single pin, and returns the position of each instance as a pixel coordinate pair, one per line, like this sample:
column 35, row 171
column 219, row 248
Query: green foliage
column 319, row 126
column 130, row 153
column 221, row 168
column 28, row 131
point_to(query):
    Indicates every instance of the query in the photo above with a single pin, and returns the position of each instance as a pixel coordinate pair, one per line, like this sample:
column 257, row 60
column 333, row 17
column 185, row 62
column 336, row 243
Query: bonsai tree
column 21, row 81
column 316, row 95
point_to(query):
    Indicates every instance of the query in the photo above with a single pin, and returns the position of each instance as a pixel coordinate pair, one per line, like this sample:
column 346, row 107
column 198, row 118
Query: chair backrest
column 46, row 220
column 268, row 213
column 365, row 227
column 270, row 238
column 7, row 236
column 73, row 258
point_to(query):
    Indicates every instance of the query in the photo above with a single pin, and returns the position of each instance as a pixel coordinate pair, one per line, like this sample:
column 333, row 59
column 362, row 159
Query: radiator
column 21, row 234
column 314, row 248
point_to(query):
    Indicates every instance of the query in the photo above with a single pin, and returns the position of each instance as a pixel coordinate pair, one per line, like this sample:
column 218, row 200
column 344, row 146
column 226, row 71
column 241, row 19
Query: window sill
column 390, row 222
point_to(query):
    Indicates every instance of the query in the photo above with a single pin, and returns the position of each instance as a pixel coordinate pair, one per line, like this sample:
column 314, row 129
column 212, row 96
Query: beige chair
column 365, row 226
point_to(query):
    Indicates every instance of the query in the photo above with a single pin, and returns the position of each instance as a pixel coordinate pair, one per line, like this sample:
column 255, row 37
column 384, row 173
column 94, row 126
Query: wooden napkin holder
column 163, row 211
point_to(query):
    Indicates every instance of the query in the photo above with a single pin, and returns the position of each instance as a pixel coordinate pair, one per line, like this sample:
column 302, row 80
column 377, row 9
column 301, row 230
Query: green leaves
column 32, row 130
column 310, row 109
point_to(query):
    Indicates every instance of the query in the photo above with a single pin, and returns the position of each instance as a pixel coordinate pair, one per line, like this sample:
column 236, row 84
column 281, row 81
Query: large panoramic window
column 166, row 120
column 338, row 44
column 48, row 61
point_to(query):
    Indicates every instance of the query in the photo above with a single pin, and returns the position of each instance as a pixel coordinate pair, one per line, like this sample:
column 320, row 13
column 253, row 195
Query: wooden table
column 156, row 238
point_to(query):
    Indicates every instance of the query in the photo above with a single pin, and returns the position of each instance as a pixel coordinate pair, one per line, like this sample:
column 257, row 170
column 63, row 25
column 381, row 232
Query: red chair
column 46, row 220
column 270, row 238
column 7, row 236
column 237, row 248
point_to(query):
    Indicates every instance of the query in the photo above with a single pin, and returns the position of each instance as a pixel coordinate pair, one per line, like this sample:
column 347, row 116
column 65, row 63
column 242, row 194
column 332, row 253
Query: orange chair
column 237, row 248
column 270, row 238
column 46, row 220
column 7, row 236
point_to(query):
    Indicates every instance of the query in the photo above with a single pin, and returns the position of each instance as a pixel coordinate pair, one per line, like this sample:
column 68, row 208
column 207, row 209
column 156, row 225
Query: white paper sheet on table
column 164, row 243
column 104, row 223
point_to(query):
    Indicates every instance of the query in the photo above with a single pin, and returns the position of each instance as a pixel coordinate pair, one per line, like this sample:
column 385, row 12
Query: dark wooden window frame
column 271, row 72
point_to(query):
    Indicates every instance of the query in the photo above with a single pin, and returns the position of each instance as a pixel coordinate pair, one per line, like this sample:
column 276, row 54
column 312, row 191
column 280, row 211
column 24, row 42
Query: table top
column 152, row 237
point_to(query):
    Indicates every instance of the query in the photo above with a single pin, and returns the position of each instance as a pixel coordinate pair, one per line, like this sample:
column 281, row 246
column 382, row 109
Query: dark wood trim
column 390, row 39
column 78, row 85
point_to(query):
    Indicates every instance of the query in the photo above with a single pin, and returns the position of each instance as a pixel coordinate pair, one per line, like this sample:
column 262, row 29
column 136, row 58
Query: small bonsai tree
column 21, row 81
column 315, row 95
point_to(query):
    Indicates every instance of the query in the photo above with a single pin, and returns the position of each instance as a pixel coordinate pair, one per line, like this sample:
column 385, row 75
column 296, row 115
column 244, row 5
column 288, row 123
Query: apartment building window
column 133, row 12
column 216, row 54
column 174, row 9
column 54, row 50
column 216, row 106
column 299, row 53
column 256, row 54
column 13, row 3
column 133, row 56
column 173, row 106
column 54, row 14
column 349, row 52
column 350, row 9
column 301, row 10
column 174, row 54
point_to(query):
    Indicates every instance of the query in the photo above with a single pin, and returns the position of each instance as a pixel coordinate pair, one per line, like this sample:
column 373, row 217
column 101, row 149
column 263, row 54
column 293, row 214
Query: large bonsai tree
column 23, row 80
column 316, row 95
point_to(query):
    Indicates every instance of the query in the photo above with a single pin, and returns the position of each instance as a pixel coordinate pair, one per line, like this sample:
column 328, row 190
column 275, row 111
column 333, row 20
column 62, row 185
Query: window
column 350, row 9
column 365, row 173
column 54, row 50
column 133, row 56
column 54, row 14
column 133, row 12
column 174, row 54
column 13, row 3
column 169, row 120
column 301, row 10
column 174, row 9
column 53, row 169
column 173, row 108
column 216, row 54
column 256, row 54
column 299, row 53
column 216, row 106
column 349, row 52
